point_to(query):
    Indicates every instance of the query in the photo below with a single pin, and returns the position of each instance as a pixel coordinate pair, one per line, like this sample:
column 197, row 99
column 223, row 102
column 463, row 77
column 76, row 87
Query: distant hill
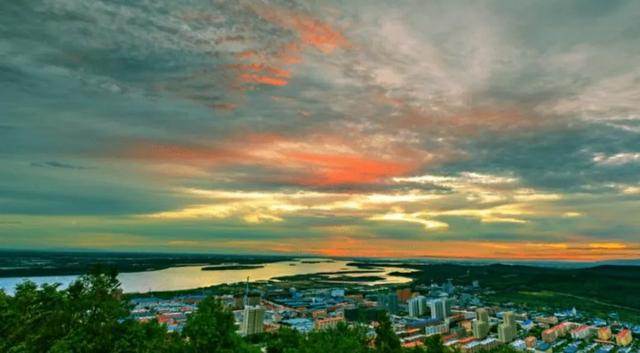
column 619, row 285
column 50, row 263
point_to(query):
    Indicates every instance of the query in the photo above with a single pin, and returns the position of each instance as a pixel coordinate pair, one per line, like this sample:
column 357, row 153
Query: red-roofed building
column 604, row 333
column 581, row 332
column 624, row 338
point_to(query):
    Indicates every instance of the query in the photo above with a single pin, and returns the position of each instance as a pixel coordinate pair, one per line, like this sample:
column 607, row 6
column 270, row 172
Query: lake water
column 188, row 277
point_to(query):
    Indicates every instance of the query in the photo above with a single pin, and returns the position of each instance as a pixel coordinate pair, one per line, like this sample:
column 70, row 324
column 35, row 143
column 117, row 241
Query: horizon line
column 307, row 255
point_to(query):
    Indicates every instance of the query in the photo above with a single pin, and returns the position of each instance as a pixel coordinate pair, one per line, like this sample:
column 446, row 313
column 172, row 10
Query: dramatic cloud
column 427, row 128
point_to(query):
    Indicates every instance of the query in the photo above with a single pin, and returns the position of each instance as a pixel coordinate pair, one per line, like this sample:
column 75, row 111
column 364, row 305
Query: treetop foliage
column 90, row 316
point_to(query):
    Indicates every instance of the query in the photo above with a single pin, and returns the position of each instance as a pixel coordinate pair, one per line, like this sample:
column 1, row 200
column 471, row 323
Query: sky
column 486, row 129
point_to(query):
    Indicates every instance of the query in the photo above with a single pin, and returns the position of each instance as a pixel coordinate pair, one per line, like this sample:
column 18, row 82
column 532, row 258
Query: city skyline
column 490, row 130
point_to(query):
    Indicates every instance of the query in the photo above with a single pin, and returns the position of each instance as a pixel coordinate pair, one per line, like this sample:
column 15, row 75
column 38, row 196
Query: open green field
column 552, row 300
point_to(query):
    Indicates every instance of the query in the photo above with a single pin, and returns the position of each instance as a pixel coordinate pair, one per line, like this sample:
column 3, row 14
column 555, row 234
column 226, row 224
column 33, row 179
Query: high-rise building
column 480, row 326
column 253, row 299
column 417, row 306
column 482, row 314
column 447, row 307
column 388, row 301
column 507, row 330
column 449, row 287
column 440, row 308
column 253, row 320
column 238, row 301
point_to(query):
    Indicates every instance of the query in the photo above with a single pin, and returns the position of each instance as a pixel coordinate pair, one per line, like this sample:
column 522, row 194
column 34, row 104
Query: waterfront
column 188, row 277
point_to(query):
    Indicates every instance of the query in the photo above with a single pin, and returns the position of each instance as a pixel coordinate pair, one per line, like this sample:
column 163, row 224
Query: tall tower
column 253, row 320
column 480, row 325
column 440, row 308
column 507, row 330
column 417, row 306
column 388, row 301
column 246, row 293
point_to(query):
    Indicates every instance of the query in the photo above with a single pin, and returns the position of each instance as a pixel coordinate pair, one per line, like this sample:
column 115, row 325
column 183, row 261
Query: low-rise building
column 519, row 345
column 549, row 335
column 479, row 346
column 581, row 332
column 300, row 324
column 548, row 320
column 604, row 333
column 560, row 330
column 530, row 342
column 329, row 322
column 543, row 347
column 436, row 327
column 624, row 338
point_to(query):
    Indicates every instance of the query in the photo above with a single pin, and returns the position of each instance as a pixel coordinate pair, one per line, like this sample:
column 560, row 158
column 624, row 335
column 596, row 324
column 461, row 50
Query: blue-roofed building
column 604, row 348
column 527, row 324
column 571, row 349
column 420, row 323
column 599, row 322
column 543, row 347
column 301, row 324
column 519, row 345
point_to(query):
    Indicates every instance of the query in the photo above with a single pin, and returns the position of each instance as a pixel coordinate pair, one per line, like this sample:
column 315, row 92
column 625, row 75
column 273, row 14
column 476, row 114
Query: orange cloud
column 310, row 160
column 290, row 54
column 261, row 74
column 311, row 31
column 344, row 245
column 178, row 153
column 264, row 80
column 260, row 69
column 246, row 54
column 328, row 169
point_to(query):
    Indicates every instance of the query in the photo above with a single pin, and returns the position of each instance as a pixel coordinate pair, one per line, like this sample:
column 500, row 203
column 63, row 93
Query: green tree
column 341, row 339
column 148, row 337
column 386, row 339
column 212, row 329
column 87, row 317
column 97, row 312
column 285, row 340
column 433, row 344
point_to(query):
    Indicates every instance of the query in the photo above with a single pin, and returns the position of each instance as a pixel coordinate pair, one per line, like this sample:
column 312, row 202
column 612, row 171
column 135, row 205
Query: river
column 188, row 277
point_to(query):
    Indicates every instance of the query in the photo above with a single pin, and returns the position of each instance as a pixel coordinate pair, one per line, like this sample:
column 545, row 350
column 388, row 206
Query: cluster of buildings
column 170, row 312
column 455, row 313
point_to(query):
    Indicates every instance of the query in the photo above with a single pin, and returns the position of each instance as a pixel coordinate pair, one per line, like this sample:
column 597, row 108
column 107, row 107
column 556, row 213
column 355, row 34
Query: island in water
column 231, row 267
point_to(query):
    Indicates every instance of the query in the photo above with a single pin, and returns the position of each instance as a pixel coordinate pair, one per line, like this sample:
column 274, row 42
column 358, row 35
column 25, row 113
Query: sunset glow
column 492, row 130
